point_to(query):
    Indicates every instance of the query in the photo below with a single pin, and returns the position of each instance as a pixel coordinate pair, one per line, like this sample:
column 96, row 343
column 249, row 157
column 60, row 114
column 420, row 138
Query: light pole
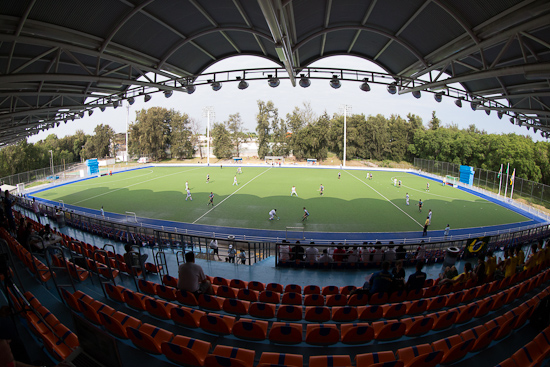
column 208, row 112
column 51, row 160
column 127, row 119
column 346, row 108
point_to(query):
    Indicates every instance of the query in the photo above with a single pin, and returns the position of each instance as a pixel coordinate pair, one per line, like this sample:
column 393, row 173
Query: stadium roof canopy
column 61, row 58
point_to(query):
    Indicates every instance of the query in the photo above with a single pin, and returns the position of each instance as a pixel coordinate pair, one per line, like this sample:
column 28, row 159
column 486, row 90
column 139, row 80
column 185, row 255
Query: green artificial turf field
column 349, row 204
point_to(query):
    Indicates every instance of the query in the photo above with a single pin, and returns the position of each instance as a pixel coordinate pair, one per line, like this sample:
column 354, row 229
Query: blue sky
column 230, row 100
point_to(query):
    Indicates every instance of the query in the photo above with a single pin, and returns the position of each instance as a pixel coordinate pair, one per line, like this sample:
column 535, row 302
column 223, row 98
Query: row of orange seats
column 532, row 354
column 58, row 340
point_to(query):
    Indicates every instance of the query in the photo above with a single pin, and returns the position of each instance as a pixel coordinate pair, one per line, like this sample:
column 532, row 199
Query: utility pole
column 51, row 160
column 347, row 109
column 208, row 112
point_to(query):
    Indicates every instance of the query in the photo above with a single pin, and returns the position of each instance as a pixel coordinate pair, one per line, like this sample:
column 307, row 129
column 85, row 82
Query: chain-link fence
column 45, row 175
column 533, row 192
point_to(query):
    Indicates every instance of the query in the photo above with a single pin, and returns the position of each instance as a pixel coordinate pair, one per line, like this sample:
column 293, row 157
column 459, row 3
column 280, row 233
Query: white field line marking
column 388, row 200
column 425, row 193
column 115, row 181
column 137, row 183
column 234, row 192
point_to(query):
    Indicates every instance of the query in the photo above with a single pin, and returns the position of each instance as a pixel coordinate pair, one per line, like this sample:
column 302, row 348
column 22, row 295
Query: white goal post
column 451, row 181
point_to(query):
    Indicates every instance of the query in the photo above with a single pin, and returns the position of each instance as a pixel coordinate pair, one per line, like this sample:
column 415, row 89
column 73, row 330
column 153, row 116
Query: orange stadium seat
column 262, row 310
column 117, row 323
column 465, row 313
column 291, row 298
column 529, row 355
column 256, row 286
column 443, row 319
column 61, row 344
column 317, row 314
column 224, row 356
column 293, row 288
column 330, row 361
column 370, row 313
column 360, row 299
column 289, row 313
column 159, row 308
column 419, row 355
column 236, row 306
column 398, row 297
column 71, row 299
column 239, row 284
column 454, row 299
column 166, row 292
column 211, row 303
column 418, row 325
column 437, row 303
column 484, row 306
column 280, row 359
column 329, row 290
column 453, row 348
column 379, row 298
column 186, row 351
column 509, row 362
column 358, row 333
column 347, row 289
column 90, row 310
column 149, row 337
column 481, row 335
column 115, row 292
column 217, row 324
column 248, row 295
column 322, row 334
column 336, row 300
column 344, row 314
column 169, row 281
column 371, row 359
column 285, row 333
column 394, row 310
column 136, row 300
column 312, row 289
column 388, row 330
column 220, row 281
column 268, row 296
column 274, row 287
column 186, row 298
column 250, row 329
column 186, row 316
column 226, row 292
column 314, row 300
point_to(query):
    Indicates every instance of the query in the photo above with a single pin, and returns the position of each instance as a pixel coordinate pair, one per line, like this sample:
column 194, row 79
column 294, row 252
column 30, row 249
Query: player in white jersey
column 235, row 181
column 188, row 195
column 186, row 185
column 272, row 214
column 407, row 198
column 293, row 191
column 430, row 217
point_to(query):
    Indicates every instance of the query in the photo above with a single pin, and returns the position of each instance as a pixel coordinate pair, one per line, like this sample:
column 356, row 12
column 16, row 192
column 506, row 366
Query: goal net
column 274, row 159
column 451, row 181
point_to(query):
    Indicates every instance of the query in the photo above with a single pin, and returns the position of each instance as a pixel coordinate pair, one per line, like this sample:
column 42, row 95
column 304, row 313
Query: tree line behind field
column 160, row 133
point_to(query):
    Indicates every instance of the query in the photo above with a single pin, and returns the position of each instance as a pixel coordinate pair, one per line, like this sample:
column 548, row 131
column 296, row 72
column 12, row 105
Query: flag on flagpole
column 505, row 185
column 500, row 172
column 500, row 179
column 513, row 177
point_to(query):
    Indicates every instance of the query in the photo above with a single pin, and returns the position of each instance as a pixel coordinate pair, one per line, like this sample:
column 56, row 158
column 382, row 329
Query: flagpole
column 500, row 177
column 513, row 182
column 506, row 186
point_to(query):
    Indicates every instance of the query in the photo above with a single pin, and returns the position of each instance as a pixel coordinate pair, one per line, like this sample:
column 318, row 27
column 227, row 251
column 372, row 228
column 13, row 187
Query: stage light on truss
column 102, row 108
column 131, row 100
column 273, row 82
column 499, row 115
column 439, row 97
column 168, row 93
column 90, row 112
column 473, row 105
column 512, row 120
column 216, row 86
column 392, row 88
column 488, row 112
column 147, row 98
column 458, row 102
column 190, row 88
column 335, row 82
column 416, row 94
column 115, row 104
column 304, row 81
column 365, row 87
column 243, row 84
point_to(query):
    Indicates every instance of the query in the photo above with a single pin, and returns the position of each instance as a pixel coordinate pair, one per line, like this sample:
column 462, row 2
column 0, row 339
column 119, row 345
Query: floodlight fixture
column 147, row 98
column 499, row 115
column 528, row 128
column 392, row 88
column 90, row 112
column 57, row 123
column 102, row 108
column 416, row 94
column 115, row 104
column 335, row 82
column 439, row 97
column 473, row 105
column 81, row 114
column 512, row 120
column 216, row 86
column 72, row 117
column 273, row 82
column 365, row 87
column 243, row 84
column 458, row 102
column 131, row 100
column 168, row 93
column 488, row 112
column 304, row 81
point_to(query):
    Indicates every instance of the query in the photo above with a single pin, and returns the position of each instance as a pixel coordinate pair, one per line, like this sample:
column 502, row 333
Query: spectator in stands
column 462, row 277
column 398, row 275
column 540, row 253
column 490, row 265
column 449, row 273
column 324, row 258
column 21, row 229
column 366, row 255
column 417, row 279
column 215, row 249
column 36, row 210
column 521, row 255
column 390, row 254
column 381, row 281
column 480, row 270
column 400, row 253
column 378, row 254
column 420, row 251
column 231, row 253
column 297, row 252
column 339, row 254
column 311, row 253
column 353, row 254
column 132, row 258
column 532, row 258
column 242, row 256
column 284, row 251
column 8, row 203
column 511, row 264
column 191, row 277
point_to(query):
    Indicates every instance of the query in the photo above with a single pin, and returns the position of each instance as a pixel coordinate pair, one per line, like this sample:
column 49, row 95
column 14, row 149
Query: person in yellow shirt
column 521, row 255
column 540, row 253
column 490, row 265
column 462, row 277
column 510, row 264
column 532, row 258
